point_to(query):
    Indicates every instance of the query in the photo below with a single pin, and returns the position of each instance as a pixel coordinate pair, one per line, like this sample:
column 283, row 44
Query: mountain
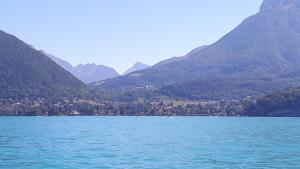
column 87, row 73
column 264, row 46
column 66, row 65
column 26, row 72
column 285, row 103
column 225, row 88
column 136, row 67
column 173, row 59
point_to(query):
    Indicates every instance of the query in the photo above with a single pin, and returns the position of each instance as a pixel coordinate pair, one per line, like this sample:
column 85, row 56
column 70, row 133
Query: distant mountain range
column 66, row 65
column 261, row 56
column 28, row 73
column 136, row 67
column 258, row 56
column 87, row 73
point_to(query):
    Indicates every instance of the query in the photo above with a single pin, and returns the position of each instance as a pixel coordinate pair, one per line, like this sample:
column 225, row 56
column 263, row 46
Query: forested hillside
column 26, row 72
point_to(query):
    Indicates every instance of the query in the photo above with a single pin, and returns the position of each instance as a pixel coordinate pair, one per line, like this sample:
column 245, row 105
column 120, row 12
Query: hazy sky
column 118, row 33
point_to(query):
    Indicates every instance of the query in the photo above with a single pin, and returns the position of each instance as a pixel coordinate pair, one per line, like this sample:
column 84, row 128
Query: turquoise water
column 149, row 142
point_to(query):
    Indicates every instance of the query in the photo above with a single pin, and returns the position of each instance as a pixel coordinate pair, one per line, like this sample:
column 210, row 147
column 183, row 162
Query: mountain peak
column 137, row 66
column 262, row 50
column 138, row 63
column 279, row 4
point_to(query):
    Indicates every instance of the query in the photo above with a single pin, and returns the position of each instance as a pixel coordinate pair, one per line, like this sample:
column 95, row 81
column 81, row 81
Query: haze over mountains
column 258, row 56
column 87, row 73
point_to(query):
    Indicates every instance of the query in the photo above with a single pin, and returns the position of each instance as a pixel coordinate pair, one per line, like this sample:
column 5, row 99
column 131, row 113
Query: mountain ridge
column 88, row 73
column 26, row 72
column 136, row 67
column 264, row 45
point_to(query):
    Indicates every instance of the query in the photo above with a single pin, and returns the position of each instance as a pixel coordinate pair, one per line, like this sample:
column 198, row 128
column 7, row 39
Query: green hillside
column 26, row 72
column 285, row 103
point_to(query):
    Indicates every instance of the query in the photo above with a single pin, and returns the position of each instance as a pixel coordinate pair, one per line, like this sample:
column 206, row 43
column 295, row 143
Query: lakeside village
column 100, row 107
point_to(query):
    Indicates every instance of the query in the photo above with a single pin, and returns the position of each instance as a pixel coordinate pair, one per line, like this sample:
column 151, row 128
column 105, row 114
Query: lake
column 149, row 142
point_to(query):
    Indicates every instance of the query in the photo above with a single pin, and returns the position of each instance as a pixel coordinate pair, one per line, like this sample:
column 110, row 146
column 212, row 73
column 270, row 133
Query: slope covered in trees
column 26, row 72
column 285, row 103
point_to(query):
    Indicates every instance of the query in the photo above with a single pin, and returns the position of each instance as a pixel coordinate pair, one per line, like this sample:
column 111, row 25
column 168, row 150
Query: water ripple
column 149, row 142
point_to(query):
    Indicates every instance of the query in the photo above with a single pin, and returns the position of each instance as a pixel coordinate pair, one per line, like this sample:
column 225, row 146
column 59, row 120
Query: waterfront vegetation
column 99, row 103
column 103, row 107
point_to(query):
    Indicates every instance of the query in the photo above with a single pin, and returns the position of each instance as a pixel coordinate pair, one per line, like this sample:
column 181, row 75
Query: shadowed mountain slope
column 26, row 72
column 264, row 46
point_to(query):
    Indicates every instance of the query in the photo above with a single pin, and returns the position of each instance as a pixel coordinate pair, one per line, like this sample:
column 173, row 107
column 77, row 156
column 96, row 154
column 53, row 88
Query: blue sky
column 118, row 33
